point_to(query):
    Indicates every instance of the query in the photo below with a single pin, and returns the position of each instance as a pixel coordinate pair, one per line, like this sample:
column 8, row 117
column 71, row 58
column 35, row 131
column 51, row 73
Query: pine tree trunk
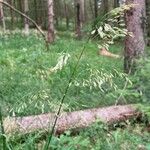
column 78, row 29
column 82, row 2
column 56, row 12
column 96, row 8
column 91, row 7
column 79, row 9
column 116, row 3
column 110, row 5
column 44, row 14
column 134, row 45
column 26, row 21
column 50, row 34
column 148, row 21
column 2, row 20
column 20, row 5
column 105, row 6
column 66, row 15
column 36, row 12
column 40, row 13
column 12, row 14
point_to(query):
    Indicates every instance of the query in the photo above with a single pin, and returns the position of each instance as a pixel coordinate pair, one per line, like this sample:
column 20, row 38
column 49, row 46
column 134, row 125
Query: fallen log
column 104, row 52
column 69, row 120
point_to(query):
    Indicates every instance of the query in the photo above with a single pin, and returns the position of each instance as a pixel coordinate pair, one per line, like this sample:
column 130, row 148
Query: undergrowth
column 29, row 85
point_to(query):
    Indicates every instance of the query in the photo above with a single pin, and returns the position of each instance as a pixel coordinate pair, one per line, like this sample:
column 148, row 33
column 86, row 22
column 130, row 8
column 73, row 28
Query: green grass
column 27, row 87
column 95, row 137
column 24, row 61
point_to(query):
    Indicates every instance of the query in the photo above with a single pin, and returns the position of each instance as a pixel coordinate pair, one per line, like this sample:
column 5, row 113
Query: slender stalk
column 63, row 98
column 65, row 93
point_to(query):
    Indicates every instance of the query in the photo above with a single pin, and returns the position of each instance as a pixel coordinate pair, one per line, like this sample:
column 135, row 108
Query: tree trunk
column 96, row 8
column 91, row 7
column 116, row 3
column 26, row 21
column 134, row 45
column 50, row 34
column 95, row 15
column 86, row 11
column 70, row 120
column 36, row 11
column 21, row 7
column 104, row 7
column 2, row 20
column 107, row 5
column 148, row 21
column 11, row 2
column 40, row 13
column 110, row 5
column 44, row 14
column 66, row 14
column 78, row 18
column 82, row 5
column 57, row 12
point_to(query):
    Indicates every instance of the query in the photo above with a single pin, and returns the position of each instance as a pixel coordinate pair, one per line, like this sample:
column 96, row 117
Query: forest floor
column 33, row 81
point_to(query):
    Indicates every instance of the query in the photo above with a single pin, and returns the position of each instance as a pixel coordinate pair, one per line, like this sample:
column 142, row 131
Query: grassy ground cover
column 29, row 85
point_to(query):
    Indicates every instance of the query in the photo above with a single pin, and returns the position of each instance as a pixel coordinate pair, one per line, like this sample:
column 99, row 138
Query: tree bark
column 79, row 17
column 2, row 20
column 110, row 5
column 26, row 21
column 36, row 11
column 57, row 13
column 148, row 21
column 134, row 45
column 20, row 7
column 50, row 34
column 70, row 120
column 91, row 7
column 39, row 14
column 12, row 14
column 96, row 8
column 66, row 14
column 82, row 14
column 104, row 7
column 107, row 5
column 116, row 3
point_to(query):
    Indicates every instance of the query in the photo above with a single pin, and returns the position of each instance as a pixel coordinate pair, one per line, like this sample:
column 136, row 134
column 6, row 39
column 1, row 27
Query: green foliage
column 101, row 137
column 29, row 82
column 29, row 85
column 34, row 80
column 97, row 136
column 68, row 142
column 141, row 79
column 111, row 26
